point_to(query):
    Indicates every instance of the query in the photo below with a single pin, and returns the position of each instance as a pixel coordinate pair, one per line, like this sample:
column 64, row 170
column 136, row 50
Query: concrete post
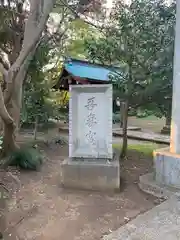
column 175, row 123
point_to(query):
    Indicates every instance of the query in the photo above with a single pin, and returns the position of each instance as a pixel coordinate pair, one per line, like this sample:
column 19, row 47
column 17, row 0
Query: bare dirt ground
column 42, row 210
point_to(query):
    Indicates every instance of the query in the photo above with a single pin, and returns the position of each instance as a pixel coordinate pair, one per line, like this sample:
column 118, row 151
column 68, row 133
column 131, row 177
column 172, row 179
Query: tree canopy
column 135, row 38
column 139, row 40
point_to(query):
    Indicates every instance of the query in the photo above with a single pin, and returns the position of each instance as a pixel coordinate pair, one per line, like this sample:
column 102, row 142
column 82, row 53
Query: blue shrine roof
column 88, row 70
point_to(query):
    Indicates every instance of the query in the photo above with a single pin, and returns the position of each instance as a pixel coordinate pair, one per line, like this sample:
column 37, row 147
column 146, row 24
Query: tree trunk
column 9, row 141
column 121, row 114
column 14, row 108
column 167, row 128
column 35, row 128
column 10, row 101
column 3, row 207
column 16, row 97
column 168, row 120
column 125, row 122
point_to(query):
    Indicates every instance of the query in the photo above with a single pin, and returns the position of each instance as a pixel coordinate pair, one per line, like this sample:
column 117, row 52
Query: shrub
column 132, row 112
column 116, row 117
column 26, row 158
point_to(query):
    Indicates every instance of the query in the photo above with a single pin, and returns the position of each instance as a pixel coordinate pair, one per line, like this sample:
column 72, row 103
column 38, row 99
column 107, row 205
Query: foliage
column 37, row 89
column 24, row 25
column 26, row 158
column 139, row 40
column 39, row 100
column 80, row 32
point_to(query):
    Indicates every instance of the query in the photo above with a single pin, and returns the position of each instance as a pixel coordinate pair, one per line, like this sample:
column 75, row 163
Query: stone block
column 90, row 121
column 167, row 168
column 148, row 184
column 90, row 175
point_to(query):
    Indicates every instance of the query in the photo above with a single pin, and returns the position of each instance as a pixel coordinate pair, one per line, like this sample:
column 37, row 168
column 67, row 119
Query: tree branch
column 3, row 111
column 3, row 70
column 12, row 11
column 76, row 15
column 4, row 49
column 32, row 32
column 5, row 64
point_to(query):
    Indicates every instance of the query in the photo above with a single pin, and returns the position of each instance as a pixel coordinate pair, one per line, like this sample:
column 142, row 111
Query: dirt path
column 45, row 211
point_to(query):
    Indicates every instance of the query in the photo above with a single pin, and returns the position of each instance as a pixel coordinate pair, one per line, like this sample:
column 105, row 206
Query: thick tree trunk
column 16, row 97
column 3, row 207
column 10, row 102
column 9, row 141
column 125, row 123
column 14, row 108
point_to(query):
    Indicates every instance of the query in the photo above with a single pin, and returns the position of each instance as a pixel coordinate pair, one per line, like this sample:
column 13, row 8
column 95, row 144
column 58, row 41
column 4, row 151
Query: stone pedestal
column 90, row 164
column 165, row 180
column 167, row 168
column 91, row 175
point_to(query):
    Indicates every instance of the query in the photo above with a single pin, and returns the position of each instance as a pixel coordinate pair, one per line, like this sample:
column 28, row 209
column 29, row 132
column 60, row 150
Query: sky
column 109, row 3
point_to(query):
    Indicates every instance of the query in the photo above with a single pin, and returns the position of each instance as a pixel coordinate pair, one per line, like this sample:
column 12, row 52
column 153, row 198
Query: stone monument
column 90, row 164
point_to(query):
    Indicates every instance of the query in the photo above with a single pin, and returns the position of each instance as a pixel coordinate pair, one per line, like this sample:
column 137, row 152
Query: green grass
column 146, row 149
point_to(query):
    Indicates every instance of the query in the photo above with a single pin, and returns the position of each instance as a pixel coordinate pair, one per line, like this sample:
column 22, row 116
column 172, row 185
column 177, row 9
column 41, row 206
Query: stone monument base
column 148, row 184
column 90, row 175
column 165, row 181
column 167, row 168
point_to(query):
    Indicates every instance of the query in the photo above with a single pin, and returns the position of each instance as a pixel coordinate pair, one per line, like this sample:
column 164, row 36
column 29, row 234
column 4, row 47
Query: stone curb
column 149, row 139
column 148, row 185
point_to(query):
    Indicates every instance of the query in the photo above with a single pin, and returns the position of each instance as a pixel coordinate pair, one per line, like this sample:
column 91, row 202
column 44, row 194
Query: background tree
column 138, row 40
column 162, row 94
column 25, row 29
column 37, row 108
column 11, row 100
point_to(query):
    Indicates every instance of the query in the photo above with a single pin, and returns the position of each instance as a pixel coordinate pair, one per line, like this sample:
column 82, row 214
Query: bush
column 26, row 158
column 116, row 117
column 144, row 113
column 132, row 112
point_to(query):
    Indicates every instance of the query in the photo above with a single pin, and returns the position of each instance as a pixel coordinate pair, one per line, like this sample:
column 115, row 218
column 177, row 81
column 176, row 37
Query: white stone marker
column 90, row 164
column 90, row 121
